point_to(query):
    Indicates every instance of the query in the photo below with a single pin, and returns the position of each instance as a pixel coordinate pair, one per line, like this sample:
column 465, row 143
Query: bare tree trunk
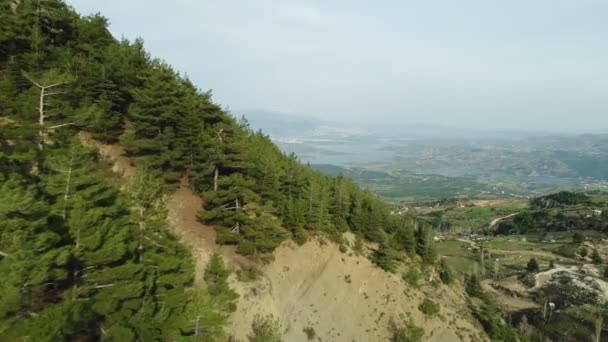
column 66, row 195
column 142, row 228
column 37, row 33
column 216, row 176
column 41, row 110
column 198, row 319
column 483, row 263
column 41, row 118
column 237, row 227
column 599, row 322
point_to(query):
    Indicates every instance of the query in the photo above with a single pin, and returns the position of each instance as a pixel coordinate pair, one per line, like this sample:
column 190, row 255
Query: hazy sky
column 533, row 64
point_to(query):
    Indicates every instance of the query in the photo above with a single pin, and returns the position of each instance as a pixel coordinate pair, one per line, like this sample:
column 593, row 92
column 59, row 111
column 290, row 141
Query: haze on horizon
column 530, row 65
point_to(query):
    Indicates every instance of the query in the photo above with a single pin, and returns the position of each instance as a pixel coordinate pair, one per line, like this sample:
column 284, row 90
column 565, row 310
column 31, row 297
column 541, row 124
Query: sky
column 488, row 64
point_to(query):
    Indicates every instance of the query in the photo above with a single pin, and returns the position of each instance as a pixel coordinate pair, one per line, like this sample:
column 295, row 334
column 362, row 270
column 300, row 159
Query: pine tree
column 424, row 244
column 596, row 258
column 532, row 265
column 384, row 256
column 405, row 237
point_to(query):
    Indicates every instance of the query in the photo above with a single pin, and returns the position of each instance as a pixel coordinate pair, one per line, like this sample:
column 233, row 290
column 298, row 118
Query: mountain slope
column 87, row 255
column 344, row 297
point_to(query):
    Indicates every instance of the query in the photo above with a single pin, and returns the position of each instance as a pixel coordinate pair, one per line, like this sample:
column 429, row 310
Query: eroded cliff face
column 344, row 297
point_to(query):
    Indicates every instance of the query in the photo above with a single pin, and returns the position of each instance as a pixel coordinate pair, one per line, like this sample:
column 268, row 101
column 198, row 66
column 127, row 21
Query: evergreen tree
column 424, row 244
column 596, row 257
column 384, row 256
column 532, row 265
column 405, row 237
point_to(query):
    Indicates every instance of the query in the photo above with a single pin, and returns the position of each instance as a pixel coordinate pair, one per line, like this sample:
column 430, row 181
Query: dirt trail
column 184, row 206
column 496, row 220
column 342, row 296
column 114, row 154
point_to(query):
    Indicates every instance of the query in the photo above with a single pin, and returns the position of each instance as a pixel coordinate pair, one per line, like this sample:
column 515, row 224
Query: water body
column 338, row 152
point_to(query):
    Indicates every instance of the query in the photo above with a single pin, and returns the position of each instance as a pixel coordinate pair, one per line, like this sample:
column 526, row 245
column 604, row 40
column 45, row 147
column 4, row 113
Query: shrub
column 532, row 265
column 343, row 248
column 408, row 332
column 595, row 257
column 577, row 238
column 473, row 286
column 310, row 333
column 412, row 277
column 249, row 274
column 583, row 252
column 265, row 329
column 358, row 245
column 445, row 273
column 300, row 236
column 428, row 307
column 567, row 250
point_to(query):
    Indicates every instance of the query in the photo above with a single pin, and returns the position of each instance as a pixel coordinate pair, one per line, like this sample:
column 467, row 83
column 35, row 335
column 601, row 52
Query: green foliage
column 473, row 286
column 384, row 256
column 429, row 307
column 73, row 245
column 412, row 277
column 578, row 238
column 342, row 247
column 405, row 238
column 491, row 318
column 424, row 244
column 405, row 332
column 445, row 272
column 250, row 274
column 265, row 329
column 216, row 278
column 310, row 333
column 358, row 245
column 559, row 199
column 532, row 265
column 595, row 257
column 583, row 251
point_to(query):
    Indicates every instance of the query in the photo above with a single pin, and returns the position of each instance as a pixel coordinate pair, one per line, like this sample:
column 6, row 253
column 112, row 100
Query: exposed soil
column 344, row 297
column 114, row 154
column 184, row 206
column 517, row 298
column 496, row 220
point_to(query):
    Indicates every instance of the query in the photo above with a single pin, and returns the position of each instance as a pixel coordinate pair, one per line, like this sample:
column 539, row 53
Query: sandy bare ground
column 114, row 154
column 343, row 297
column 510, row 302
column 184, row 206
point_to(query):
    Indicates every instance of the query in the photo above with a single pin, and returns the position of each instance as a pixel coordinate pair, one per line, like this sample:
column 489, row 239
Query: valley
column 135, row 207
column 430, row 164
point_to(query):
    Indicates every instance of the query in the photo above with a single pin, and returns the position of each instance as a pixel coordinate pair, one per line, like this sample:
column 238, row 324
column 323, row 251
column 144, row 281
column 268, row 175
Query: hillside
column 344, row 297
column 130, row 200
column 135, row 208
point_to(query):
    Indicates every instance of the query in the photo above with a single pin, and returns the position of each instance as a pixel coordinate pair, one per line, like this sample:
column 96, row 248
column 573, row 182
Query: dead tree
column 216, row 172
column 45, row 86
